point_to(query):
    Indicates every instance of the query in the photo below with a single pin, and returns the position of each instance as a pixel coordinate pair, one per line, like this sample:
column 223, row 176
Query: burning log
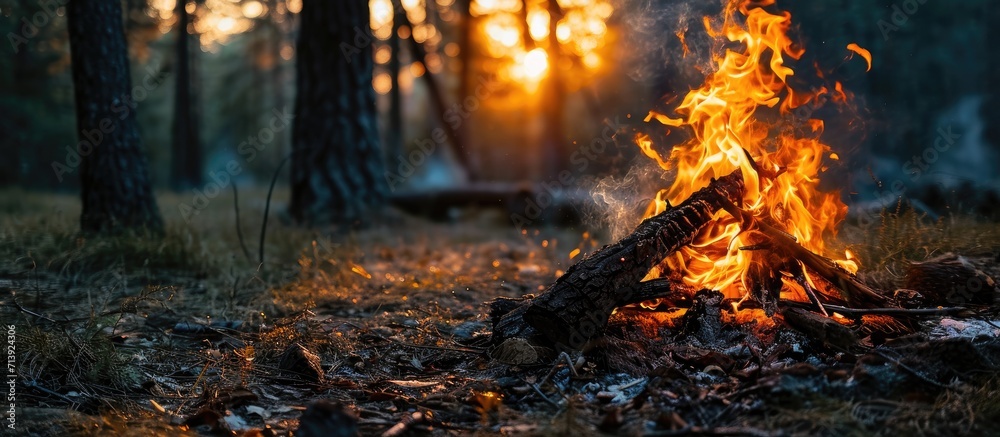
column 854, row 291
column 577, row 306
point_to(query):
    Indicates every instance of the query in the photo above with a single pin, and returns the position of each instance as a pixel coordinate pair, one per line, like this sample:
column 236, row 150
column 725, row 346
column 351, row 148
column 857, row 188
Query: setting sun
column 536, row 63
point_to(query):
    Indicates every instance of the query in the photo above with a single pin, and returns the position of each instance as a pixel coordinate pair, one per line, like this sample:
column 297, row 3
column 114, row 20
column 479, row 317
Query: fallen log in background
column 948, row 279
column 577, row 306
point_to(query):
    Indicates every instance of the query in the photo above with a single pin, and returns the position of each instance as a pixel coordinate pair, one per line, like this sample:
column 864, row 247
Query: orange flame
column 864, row 54
column 727, row 116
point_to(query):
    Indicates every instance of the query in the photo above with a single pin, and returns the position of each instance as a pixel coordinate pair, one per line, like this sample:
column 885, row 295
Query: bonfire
column 744, row 216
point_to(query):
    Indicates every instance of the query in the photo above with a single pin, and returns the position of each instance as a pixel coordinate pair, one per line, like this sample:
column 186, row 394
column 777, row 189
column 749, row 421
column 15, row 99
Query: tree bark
column 337, row 167
column 186, row 159
column 114, row 178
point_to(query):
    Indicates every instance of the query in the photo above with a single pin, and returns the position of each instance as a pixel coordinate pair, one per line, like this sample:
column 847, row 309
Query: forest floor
column 187, row 334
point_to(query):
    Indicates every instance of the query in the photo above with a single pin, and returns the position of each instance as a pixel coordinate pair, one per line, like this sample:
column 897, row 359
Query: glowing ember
column 723, row 117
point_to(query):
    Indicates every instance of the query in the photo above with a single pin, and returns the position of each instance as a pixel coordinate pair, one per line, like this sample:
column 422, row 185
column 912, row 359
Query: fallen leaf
column 360, row 271
column 253, row 409
column 414, row 384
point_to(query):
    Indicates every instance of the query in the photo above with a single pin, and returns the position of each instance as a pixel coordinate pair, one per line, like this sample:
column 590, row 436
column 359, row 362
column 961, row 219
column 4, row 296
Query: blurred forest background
column 524, row 109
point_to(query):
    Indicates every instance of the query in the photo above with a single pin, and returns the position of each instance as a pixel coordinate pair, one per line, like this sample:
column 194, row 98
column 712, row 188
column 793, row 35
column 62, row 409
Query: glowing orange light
column 512, row 27
column 536, row 63
column 253, row 9
column 382, row 83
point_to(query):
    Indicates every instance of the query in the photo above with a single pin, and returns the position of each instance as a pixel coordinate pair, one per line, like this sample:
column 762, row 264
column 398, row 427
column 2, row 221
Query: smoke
column 655, row 59
column 620, row 201
column 656, row 52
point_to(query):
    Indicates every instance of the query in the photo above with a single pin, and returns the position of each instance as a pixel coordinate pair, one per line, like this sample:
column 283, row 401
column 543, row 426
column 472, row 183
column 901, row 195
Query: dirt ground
column 187, row 334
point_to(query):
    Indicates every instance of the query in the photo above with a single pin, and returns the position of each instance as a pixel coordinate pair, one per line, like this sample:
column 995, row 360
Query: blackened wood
column 820, row 328
column 508, row 314
column 577, row 306
column 858, row 312
column 704, row 319
column 763, row 279
column 338, row 174
column 113, row 169
column 508, row 320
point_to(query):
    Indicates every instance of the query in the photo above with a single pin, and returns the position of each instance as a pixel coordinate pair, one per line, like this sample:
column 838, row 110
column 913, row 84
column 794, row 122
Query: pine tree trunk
column 114, row 175
column 186, row 162
column 394, row 134
column 337, row 167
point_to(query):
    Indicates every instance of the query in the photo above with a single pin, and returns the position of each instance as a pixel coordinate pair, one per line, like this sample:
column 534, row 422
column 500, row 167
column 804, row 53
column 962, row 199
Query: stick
column 405, row 424
column 239, row 229
column 883, row 311
column 267, row 208
column 803, row 280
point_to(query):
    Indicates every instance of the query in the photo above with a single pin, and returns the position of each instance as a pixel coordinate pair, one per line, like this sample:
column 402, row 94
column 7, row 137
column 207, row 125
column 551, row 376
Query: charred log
column 823, row 329
column 508, row 314
column 577, row 306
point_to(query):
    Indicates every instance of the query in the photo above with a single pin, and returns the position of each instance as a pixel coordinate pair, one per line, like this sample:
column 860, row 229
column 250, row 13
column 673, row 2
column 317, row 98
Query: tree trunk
column 466, row 59
column 555, row 153
column 186, row 162
column 114, row 176
column 394, row 135
column 337, row 166
column 437, row 95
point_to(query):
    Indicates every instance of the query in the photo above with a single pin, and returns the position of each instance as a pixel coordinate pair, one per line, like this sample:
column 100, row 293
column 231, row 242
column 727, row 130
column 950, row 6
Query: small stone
column 300, row 365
